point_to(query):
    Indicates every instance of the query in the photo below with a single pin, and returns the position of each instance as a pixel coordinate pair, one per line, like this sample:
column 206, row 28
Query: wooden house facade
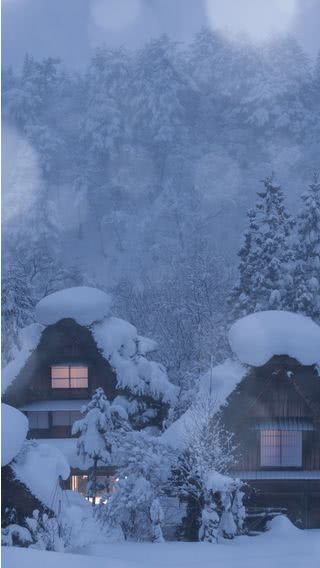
column 275, row 415
column 58, row 378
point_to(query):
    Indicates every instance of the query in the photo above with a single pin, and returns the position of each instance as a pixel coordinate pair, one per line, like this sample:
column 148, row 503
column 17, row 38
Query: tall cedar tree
column 266, row 256
column 306, row 275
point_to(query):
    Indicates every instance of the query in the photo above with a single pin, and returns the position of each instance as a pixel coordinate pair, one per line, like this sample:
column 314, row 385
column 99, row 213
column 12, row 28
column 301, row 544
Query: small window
column 38, row 420
column 65, row 417
column 281, row 448
column 69, row 377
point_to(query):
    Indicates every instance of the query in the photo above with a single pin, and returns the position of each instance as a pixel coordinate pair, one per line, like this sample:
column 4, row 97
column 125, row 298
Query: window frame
column 69, row 378
column 282, row 461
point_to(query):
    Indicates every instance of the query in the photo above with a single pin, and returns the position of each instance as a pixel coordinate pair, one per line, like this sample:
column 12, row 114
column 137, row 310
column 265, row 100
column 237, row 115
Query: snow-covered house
column 268, row 395
column 275, row 412
column 76, row 347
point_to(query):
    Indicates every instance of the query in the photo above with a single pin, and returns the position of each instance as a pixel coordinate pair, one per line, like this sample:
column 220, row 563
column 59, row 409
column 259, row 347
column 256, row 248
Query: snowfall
column 283, row 546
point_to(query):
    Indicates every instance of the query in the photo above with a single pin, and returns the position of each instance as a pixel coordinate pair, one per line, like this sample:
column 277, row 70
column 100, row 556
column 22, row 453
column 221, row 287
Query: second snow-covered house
column 268, row 395
column 76, row 347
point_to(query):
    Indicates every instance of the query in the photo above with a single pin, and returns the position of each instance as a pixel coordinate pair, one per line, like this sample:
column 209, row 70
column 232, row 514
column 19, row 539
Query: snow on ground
column 29, row 338
column 39, row 467
column 282, row 547
column 258, row 337
column 14, row 427
column 82, row 303
column 215, row 385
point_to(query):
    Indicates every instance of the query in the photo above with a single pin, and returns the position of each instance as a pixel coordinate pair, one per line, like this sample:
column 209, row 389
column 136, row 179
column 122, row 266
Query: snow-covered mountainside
column 259, row 336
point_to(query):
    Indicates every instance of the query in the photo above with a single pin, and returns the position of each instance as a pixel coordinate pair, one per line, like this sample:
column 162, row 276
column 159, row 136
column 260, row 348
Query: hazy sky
column 70, row 29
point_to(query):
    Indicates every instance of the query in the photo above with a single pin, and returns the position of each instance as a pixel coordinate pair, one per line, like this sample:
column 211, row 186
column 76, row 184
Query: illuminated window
column 69, row 377
column 281, row 448
column 105, row 485
column 38, row 420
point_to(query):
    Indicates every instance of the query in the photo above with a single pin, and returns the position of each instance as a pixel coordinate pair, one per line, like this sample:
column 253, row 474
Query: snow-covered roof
column 82, row 303
column 39, row 467
column 46, row 405
column 29, row 338
column 215, row 385
column 256, row 338
column 117, row 339
column 14, row 429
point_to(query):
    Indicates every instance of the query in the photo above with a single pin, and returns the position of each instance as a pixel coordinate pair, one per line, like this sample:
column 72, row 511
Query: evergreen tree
column 97, row 435
column 242, row 299
column 306, row 274
column 16, row 306
column 158, row 110
column 266, row 256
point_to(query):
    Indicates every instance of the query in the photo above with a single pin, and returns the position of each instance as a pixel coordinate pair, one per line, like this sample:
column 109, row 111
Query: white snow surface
column 39, row 466
column 68, row 447
column 215, row 385
column 256, row 338
column 216, row 481
column 280, row 547
column 82, row 303
column 121, row 346
column 14, row 429
column 29, row 338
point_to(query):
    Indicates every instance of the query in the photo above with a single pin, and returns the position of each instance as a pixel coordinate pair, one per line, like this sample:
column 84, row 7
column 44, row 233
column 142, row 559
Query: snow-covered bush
column 144, row 465
column 15, row 535
column 47, row 532
column 157, row 516
column 199, row 477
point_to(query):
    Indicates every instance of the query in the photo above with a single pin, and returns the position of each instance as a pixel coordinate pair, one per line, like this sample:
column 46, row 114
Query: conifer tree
column 16, row 306
column 306, row 274
column 97, row 435
column 266, row 256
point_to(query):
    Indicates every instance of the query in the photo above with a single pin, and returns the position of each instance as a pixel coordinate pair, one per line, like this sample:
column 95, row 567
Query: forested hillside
column 136, row 176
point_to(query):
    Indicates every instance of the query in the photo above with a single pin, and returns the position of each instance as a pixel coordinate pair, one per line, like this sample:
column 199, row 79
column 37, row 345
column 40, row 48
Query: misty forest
column 161, row 305
column 139, row 172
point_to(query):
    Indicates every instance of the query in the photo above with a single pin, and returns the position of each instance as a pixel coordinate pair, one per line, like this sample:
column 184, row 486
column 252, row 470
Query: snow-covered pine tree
column 243, row 299
column 265, row 281
column 16, row 305
column 306, row 273
column 97, row 435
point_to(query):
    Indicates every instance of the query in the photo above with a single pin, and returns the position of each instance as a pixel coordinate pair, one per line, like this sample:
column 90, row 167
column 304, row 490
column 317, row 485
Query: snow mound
column 256, row 338
column 14, row 427
column 282, row 526
column 39, row 467
column 125, row 350
column 215, row 385
column 82, row 303
column 29, row 338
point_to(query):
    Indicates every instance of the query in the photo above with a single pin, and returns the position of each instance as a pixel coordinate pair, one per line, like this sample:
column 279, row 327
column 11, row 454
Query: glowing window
column 281, row 448
column 69, row 376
